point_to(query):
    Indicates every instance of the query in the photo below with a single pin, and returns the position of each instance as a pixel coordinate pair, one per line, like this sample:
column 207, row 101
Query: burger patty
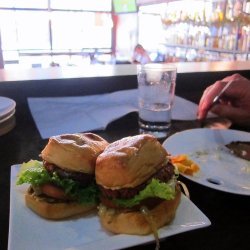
column 164, row 175
column 82, row 178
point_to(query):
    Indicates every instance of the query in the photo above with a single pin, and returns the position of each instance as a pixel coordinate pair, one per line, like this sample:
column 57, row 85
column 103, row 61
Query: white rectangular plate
column 29, row 231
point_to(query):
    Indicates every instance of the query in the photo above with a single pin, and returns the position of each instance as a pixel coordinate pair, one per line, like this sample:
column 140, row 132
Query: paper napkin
column 59, row 115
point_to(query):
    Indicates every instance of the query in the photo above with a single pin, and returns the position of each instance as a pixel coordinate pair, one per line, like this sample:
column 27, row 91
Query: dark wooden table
column 229, row 213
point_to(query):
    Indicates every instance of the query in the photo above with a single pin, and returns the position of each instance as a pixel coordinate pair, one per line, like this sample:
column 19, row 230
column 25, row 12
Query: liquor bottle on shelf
column 219, row 29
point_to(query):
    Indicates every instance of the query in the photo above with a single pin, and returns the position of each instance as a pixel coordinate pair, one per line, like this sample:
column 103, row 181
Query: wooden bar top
column 97, row 70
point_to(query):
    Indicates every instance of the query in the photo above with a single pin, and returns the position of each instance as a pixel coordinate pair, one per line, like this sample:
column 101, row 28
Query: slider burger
column 63, row 184
column 138, row 186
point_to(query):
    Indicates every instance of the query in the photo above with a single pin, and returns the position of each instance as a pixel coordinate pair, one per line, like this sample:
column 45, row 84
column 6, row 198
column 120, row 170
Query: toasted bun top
column 129, row 162
column 75, row 152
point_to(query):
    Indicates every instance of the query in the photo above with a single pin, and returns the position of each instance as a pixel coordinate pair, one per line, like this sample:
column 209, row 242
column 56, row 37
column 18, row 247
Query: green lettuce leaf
column 35, row 174
column 154, row 189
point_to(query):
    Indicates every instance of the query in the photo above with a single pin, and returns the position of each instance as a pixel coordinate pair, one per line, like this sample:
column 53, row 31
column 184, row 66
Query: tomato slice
column 54, row 192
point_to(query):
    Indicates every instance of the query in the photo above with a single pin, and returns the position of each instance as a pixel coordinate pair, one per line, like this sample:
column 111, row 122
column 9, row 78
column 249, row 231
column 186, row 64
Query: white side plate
column 219, row 168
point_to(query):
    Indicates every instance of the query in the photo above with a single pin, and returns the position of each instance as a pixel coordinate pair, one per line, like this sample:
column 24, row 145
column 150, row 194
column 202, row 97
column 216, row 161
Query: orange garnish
column 184, row 164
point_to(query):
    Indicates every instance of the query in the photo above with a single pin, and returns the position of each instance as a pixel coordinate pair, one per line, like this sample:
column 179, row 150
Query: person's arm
column 235, row 102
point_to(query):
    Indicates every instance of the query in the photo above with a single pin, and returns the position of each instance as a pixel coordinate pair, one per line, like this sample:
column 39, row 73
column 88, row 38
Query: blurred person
column 140, row 55
column 234, row 104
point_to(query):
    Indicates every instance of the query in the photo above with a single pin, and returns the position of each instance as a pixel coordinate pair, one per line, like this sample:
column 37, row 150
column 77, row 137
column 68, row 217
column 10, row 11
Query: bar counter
column 228, row 213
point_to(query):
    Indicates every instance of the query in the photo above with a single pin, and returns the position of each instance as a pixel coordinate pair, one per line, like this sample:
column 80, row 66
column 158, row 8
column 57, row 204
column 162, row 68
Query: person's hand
column 234, row 104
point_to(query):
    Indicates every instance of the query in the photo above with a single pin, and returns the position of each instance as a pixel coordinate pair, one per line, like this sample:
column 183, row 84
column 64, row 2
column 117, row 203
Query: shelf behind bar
column 227, row 51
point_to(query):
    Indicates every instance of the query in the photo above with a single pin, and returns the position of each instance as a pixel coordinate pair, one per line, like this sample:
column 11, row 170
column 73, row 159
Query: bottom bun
column 135, row 222
column 55, row 211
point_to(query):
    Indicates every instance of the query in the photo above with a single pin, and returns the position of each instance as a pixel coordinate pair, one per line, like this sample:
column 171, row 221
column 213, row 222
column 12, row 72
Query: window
column 24, row 3
column 88, row 5
column 31, row 30
column 77, row 30
column 42, row 31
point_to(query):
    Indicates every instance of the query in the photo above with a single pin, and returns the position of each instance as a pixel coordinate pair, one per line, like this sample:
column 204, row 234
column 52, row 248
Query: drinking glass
column 156, row 87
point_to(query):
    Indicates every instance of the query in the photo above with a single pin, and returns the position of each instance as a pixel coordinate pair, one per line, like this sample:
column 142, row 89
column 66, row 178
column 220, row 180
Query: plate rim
column 11, row 105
